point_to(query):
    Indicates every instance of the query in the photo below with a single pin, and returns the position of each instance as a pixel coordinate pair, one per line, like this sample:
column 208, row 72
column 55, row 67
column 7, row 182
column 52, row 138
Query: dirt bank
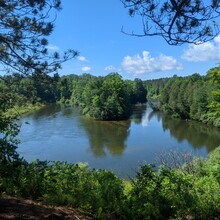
column 14, row 208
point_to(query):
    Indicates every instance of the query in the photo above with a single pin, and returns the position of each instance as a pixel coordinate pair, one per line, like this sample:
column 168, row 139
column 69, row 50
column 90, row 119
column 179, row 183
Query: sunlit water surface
column 58, row 133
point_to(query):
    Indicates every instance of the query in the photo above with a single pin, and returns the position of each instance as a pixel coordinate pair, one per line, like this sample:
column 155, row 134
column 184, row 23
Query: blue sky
column 94, row 29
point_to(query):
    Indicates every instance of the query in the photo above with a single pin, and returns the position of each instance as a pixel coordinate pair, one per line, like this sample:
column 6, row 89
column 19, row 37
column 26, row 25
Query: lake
column 62, row 133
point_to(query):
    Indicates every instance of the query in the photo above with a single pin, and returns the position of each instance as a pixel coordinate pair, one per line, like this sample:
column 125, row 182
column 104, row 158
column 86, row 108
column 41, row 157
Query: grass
column 21, row 110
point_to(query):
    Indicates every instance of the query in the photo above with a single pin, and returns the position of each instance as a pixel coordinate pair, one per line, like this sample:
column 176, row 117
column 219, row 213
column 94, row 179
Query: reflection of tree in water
column 158, row 115
column 110, row 135
column 48, row 110
column 53, row 109
column 197, row 134
column 137, row 113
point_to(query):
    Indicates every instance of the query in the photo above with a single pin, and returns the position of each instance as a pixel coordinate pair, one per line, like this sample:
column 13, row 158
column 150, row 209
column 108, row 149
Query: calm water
column 56, row 133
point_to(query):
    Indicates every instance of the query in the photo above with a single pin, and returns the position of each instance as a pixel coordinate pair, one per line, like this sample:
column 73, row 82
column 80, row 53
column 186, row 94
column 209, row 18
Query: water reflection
column 111, row 136
column 106, row 135
column 140, row 115
column 57, row 133
column 197, row 134
column 46, row 111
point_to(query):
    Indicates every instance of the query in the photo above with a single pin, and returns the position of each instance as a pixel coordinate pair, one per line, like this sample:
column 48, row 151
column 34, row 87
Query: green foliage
column 137, row 91
column 104, row 98
column 30, row 179
column 8, row 130
column 145, row 200
column 192, row 190
column 99, row 192
column 214, row 75
column 107, row 98
column 154, row 87
column 192, row 97
column 186, row 97
column 25, row 26
column 214, row 106
column 9, row 158
column 211, row 118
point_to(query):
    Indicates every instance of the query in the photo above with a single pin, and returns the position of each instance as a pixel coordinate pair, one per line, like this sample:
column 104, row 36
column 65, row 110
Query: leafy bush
column 145, row 200
column 192, row 190
column 99, row 192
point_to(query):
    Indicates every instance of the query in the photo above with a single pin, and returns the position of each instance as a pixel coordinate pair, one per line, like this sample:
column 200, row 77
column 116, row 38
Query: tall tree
column 24, row 28
column 177, row 21
column 214, row 75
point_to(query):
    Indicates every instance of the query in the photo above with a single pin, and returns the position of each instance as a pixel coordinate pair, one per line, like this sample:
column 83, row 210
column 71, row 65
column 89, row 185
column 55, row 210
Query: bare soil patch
column 14, row 208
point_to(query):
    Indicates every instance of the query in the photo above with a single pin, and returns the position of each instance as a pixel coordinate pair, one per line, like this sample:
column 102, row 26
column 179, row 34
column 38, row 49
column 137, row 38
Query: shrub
column 191, row 190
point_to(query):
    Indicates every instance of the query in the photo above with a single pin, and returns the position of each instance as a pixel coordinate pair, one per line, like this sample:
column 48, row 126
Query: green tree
column 64, row 88
column 106, row 98
column 117, row 104
column 25, row 26
column 138, row 92
column 177, row 22
column 200, row 102
column 186, row 97
column 8, row 131
column 78, row 86
column 214, row 75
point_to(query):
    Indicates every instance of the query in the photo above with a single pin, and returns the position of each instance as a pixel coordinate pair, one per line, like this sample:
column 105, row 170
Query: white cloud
column 86, row 68
column 81, row 58
column 203, row 52
column 148, row 64
column 110, row 68
column 52, row 47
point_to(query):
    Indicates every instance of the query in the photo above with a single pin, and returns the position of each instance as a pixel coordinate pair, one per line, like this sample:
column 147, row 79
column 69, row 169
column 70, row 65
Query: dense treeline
column 193, row 97
column 108, row 97
column 105, row 98
column 29, row 89
column 111, row 98
column 154, row 87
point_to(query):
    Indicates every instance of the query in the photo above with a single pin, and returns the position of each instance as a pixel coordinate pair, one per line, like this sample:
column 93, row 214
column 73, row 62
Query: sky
column 93, row 28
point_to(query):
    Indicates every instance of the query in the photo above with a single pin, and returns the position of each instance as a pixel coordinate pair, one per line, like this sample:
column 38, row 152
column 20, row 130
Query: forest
column 187, row 190
column 190, row 190
column 104, row 98
column 31, row 80
column 110, row 97
column 193, row 97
